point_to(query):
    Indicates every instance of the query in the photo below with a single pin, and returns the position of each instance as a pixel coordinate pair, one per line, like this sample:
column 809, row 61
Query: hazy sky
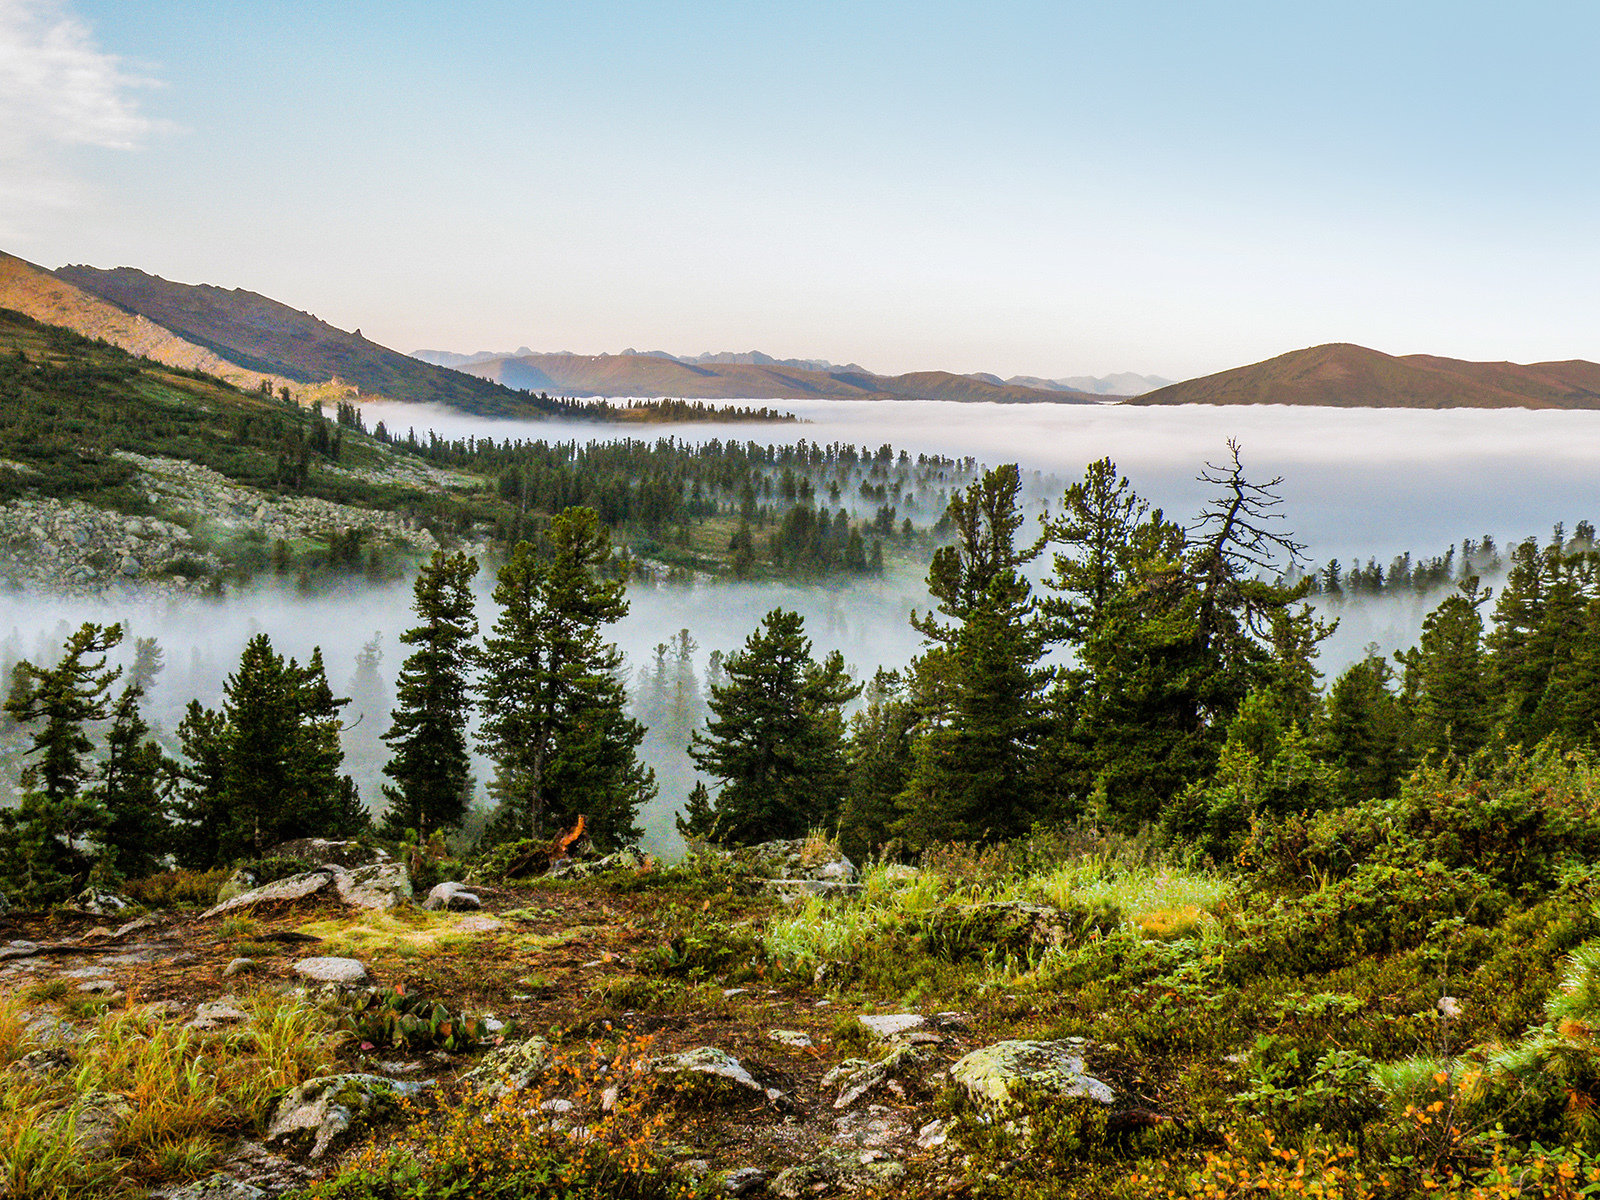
column 1047, row 189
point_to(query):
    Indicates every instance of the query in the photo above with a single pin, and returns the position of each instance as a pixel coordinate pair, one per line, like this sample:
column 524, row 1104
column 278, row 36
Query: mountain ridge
column 1344, row 375
column 650, row 374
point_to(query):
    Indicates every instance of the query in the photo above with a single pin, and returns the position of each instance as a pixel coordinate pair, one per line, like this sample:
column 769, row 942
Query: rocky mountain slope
column 262, row 334
column 36, row 292
column 1349, row 376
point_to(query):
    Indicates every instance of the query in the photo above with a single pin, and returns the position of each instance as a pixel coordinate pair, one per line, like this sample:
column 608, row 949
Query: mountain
column 655, row 374
column 258, row 334
column 1348, row 376
column 1124, row 383
column 35, row 292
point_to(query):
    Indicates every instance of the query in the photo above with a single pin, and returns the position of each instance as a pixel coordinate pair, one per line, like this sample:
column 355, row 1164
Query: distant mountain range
column 1347, row 376
column 751, row 376
column 607, row 374
column 250, row 340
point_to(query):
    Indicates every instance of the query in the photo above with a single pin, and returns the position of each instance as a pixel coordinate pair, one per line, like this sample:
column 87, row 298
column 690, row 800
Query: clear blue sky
column 1048, row 189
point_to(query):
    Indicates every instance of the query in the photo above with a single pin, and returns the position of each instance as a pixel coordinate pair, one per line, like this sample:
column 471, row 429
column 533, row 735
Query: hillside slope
column 1348, row 376
column 654, row 375
column 262, row 334
column 36, row 292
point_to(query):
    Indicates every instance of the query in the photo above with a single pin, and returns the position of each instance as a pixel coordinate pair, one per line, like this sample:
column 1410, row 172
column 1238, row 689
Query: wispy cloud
column 58, row 90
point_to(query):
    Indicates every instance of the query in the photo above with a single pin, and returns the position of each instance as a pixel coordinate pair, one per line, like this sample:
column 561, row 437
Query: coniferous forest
column 1333, row 931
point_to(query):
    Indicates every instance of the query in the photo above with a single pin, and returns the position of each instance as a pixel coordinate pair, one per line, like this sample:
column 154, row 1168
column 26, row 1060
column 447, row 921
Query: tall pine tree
column 553, row 699
column 431, row 770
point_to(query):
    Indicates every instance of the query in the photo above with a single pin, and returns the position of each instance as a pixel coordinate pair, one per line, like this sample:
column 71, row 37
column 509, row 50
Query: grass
column 181, row 1093
column 402, row 931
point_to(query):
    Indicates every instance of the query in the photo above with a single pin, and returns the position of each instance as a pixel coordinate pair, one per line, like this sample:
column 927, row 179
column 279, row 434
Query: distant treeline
column 1478, row 557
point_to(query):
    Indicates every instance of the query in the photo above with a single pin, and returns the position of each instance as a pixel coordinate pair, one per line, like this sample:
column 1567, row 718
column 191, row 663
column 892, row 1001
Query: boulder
column 790, row 1037
column 214, row 1014
column 901, row 1075
column 708, row 1066
column 98, row 1117
column 101, row 902
column 325, row 853
column 284, row 891
column 320, row 1111
column 344, row 971
column 746, row 1181
column 892, row 1027
column 381, row 885
column 833, row 1170
column 512, row 1067
column 241, row 881
column 239, row 966
column 453, row 896
column 629, row 858
column 996, row 1075
column 218, row 1187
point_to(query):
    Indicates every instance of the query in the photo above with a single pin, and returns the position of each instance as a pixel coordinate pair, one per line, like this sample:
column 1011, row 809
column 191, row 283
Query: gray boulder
column 381, row 885
column 708, row 1067
column 344, row 971
column 453, row 896
column 218, row 1187
column 833, row 1170
column 629, row 858
column 320, row 1111
column 901, row 1075
column 996, row 1075
column 746, row 1181
column 101, row 902
column 512, row 1067
column 214, row 1014
column 325, row 853
column 284, row 891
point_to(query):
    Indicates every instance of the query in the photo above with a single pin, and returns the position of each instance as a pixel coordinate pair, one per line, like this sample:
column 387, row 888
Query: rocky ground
column 813, row 1096
column 75, row 547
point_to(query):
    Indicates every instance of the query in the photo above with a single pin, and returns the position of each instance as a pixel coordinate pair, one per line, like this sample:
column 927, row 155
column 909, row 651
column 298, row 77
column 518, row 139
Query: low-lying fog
column 1357, row 484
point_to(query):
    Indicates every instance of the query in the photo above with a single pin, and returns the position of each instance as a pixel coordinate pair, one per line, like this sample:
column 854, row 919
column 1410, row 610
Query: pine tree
column 1445, row 686
column 133, row 780
column 880, row 751
column 45, row 840
column 775, row 738
column 1365, row 730
column 430, row 765
column 982, row 721
column 266, row 768
column 555, row 722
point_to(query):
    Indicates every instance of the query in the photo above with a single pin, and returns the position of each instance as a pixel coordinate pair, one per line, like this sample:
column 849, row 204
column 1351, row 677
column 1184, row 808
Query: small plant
column 390, row 1017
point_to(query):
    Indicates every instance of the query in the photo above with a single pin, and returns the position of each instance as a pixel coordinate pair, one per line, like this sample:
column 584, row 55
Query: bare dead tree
column 1237, row 544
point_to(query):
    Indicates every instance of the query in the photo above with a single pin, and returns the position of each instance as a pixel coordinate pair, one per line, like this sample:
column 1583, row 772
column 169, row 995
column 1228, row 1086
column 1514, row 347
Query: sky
column 1043, row 189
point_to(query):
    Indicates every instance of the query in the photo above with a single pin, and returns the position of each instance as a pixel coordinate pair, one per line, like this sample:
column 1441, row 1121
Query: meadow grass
column 179, row 1094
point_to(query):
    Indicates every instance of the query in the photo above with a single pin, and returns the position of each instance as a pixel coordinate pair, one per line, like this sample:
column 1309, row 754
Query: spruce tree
column 775, row 738
column 554, row 703
column 266, row 768
column 880, row 751
column 430, row 766
column 980, row 682
column 45, row 840
column 1445, row 685
column 133, row 782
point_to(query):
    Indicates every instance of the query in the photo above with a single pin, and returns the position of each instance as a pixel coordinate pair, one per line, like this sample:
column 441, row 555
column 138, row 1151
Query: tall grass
column 181, row 1091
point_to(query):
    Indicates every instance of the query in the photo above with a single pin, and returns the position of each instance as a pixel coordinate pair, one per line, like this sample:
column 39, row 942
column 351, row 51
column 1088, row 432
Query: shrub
column 177, row 889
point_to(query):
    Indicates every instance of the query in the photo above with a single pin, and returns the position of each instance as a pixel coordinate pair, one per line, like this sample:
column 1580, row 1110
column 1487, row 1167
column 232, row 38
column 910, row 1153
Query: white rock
column 345, row 971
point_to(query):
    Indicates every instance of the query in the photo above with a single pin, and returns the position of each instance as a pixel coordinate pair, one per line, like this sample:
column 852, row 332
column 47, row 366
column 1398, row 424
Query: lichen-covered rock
column 325, row 853
column 629, row 858
column 746, row 1181
column 901, row 1075
column 218, row 1187
column 453, row 896
column 98, row 1117
column 214, row 1014
column 997, row 1075
column 831, row 1170
column 241, row 881
column 709, row 1066
column 381, row 885
column 347, row 972
column 512, row 1067
column 101, row 902
column 284, row 891
column 320, row 1111
column 892, row 1027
